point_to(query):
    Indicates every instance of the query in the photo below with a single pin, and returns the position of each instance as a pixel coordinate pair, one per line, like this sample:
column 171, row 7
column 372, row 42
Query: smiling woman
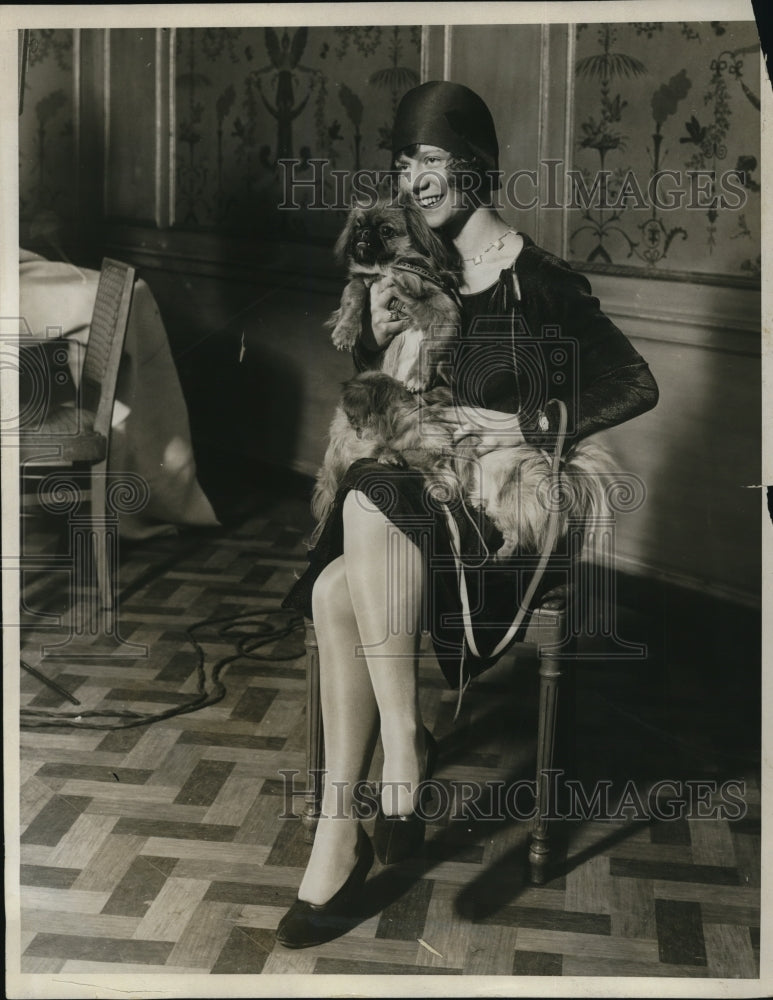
column 384, row 566
column 425, row 173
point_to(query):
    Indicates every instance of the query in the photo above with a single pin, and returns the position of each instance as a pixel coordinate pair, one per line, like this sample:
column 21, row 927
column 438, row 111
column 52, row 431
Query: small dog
column 379, row 418
column 513, row 486
column 391, row 242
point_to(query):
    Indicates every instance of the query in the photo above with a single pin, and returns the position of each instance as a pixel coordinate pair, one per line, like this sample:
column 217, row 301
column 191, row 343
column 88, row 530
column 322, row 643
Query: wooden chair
column 77, row 436
column 548, row 631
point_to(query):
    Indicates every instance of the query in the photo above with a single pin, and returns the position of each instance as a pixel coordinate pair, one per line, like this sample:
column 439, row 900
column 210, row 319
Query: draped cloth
column 150, row 434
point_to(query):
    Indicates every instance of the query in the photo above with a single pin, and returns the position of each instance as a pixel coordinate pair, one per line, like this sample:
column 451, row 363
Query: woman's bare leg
column 385, row 576
column 381, row 569
column 350, row 720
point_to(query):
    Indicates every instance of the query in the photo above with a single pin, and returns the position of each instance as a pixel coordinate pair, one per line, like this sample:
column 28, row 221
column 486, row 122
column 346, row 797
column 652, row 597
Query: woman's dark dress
column 514, row 355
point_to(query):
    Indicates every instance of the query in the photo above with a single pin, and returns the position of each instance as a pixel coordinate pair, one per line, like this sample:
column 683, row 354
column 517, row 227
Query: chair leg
column 550, row 673
column 566, row 727
column 104, row 551
column 315, row 750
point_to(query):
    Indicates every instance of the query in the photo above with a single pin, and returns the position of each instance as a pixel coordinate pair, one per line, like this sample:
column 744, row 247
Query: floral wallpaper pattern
column 46, row 152
column 683, row 97
column 249, row 97
column 649, row 97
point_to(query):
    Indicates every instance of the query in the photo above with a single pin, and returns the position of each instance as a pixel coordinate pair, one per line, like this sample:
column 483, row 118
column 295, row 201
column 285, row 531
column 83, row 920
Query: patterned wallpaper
column 669, row 96
column 46, row 154
column 247, row 97
column 649, row 97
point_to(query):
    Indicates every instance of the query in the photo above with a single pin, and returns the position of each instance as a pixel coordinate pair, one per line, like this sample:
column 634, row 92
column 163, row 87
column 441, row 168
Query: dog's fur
column 380, row 244
column 514, row 488
column 379, row 418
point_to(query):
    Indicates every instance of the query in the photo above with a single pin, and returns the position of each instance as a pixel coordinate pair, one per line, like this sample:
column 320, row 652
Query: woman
column 446, row 155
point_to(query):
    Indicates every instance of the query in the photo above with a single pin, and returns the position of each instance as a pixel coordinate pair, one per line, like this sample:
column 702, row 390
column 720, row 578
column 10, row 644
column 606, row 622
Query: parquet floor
column 172, row 847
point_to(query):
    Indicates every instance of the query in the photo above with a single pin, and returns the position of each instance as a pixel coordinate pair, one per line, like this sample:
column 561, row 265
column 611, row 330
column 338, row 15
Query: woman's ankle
column 333, row 856
column 402, row 774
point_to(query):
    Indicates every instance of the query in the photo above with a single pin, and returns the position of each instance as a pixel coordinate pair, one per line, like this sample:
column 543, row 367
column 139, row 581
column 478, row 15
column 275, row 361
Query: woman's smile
column 424, row 175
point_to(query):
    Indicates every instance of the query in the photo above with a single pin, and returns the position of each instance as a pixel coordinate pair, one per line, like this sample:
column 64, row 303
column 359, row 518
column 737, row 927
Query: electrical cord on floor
column 261, row 632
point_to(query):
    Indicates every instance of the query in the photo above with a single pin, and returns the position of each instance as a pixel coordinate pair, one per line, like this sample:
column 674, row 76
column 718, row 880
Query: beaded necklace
column 496, row 245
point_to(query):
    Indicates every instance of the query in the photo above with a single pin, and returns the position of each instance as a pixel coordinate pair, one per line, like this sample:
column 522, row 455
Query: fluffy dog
column 391, row 242
column 379, row 418
column 514, row 487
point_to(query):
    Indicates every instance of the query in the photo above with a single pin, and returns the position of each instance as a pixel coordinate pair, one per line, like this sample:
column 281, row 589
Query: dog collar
column 409, row 264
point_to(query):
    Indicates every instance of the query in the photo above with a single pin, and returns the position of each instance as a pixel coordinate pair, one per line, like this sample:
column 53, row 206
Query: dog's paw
column 505, row 551
column 344, row 335
column 389, row 457
column 416, row 383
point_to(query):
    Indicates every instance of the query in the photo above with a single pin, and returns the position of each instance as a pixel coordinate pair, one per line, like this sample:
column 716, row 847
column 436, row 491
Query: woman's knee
column 357, row 504
column 369, row 526
column 330, row 594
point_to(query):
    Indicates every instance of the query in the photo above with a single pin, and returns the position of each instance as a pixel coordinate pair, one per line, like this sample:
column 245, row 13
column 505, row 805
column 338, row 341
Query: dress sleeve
column 364, row 359
column 610, row 381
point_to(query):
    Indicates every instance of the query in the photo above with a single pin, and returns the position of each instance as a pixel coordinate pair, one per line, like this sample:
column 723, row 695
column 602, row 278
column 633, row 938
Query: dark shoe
column 398, row 837
column 308, row 924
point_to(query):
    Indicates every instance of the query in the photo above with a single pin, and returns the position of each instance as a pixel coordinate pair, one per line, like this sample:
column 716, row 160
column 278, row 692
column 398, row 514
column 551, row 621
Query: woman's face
column 424, row 175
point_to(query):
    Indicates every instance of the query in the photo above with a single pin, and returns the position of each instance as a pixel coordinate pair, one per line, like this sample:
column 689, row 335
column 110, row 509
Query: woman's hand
column 490, row 429
column 383, row 325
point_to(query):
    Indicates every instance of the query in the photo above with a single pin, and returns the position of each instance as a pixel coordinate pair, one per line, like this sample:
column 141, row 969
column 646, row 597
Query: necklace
column 496, row 245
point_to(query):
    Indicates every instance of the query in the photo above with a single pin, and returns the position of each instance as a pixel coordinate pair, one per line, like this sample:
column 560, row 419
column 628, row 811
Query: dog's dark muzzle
column 364, row 252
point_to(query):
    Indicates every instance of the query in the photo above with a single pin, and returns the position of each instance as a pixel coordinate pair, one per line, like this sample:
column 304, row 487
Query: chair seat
column 70, row 434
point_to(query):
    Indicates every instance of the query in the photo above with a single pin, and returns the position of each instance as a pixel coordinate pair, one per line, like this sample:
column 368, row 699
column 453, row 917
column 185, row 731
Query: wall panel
column 483, row 57
column 130, row 110
column 674, row 96
column 48, row 215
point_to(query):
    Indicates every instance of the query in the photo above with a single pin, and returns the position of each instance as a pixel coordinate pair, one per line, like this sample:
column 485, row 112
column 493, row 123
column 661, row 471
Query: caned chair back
column 105, row 343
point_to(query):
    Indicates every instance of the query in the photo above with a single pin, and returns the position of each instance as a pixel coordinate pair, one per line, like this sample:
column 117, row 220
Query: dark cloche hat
column 450, row 116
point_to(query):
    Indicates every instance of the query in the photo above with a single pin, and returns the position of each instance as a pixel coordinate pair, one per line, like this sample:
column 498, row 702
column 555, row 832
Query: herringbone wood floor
column 163, row 848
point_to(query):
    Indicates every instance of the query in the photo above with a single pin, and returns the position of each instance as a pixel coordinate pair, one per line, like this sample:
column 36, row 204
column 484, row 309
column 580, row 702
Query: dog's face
column 376, row 235
column 371, row 395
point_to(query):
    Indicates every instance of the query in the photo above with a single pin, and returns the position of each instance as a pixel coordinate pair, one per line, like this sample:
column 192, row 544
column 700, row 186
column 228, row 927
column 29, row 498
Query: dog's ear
column 427, row 242
column 388, row 191
column 364, row 397
column 356, row 401
column 341, row 248
column 385, row 393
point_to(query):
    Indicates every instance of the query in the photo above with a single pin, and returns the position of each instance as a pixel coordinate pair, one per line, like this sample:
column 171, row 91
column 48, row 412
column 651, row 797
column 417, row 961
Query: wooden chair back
column 105, row 343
